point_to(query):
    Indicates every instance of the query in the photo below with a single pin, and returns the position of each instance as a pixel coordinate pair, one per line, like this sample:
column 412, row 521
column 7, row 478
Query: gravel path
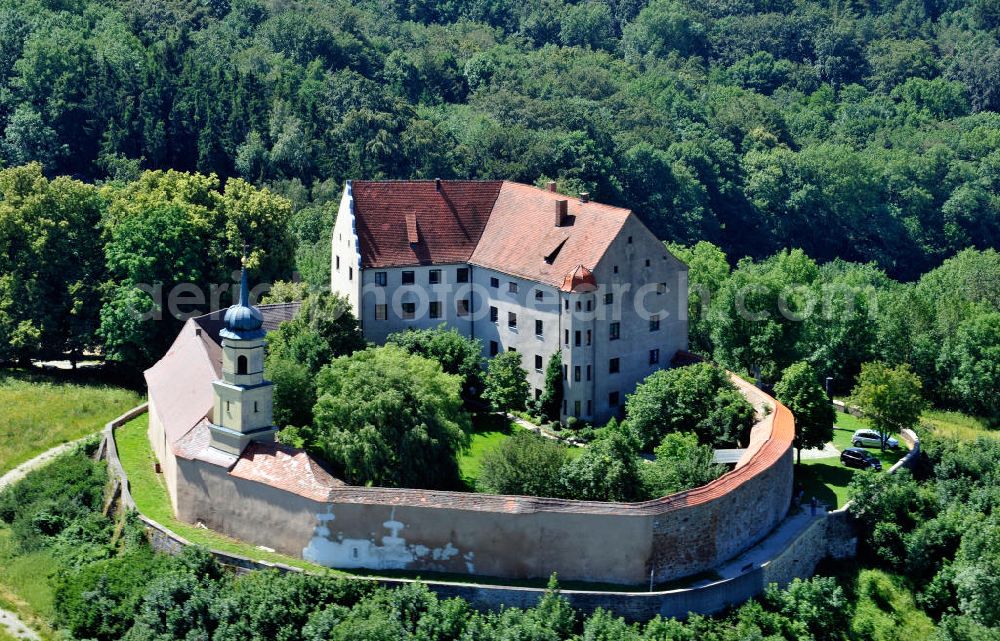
column 22, row 470
column 16, row 628
column 827, row 451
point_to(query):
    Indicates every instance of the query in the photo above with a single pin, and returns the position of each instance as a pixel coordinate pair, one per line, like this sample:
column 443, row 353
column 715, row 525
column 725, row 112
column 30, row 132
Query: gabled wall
column 345, row 254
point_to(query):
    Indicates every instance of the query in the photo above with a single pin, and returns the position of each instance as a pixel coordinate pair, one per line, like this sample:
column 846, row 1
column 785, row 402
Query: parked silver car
column 871, row 438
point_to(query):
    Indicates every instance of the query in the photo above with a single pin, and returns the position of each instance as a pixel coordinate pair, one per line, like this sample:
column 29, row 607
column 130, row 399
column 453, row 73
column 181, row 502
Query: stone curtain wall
column 830, row 536
column 506, row 536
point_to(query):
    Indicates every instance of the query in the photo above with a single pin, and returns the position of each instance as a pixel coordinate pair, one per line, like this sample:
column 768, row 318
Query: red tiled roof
column 521, row 238
column 505, row 226
column 446, row 224
column 285, row 468
column 180, row 383
column 579, row 280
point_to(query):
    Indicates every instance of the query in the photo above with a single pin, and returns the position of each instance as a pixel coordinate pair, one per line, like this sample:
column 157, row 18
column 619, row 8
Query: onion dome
column 243, row 321
column 579, row 280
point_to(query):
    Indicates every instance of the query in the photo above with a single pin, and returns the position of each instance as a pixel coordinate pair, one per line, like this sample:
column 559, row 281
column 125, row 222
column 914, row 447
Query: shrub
column 524, row 464
column 49, row 500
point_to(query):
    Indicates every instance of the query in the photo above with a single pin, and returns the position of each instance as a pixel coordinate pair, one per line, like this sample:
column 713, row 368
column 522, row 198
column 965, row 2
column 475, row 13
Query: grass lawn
column 24, row 584
column 958, row 425
column 488, row 431
column 150, row 494
column 38, row 412
column 826, row 478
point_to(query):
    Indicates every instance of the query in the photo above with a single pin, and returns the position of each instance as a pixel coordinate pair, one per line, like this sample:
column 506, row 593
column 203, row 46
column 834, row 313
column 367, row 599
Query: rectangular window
column 512, row 287
column 576, row 408
column 408, row 278
column 614, row 366
column 654, row 356
column 434, row 276
column 435, row 309
column 565, row 369
column 576, row 373
column 647, row 262
column 494, row 282
column 381, row 312
column 538, row 393
column 567, row 337
column 590, row 336
column 579, row 305
column 576, row 338
column 381, row 279
column 615, row 331
column 494, row 348
column 337, row 260
column 512, row 320
column 494, row 315
column 609, row 298
column 409, row 311
column 511, row 349
column 566, row 304
column 463, row 275
column 588, row 372
column 350, row 273
column 564, row 406
column 590, row 304
column 590, row 407
column 616, row 269
column 654, row 323
column 539, row 294
column 613, row 399
column 538, row 362
column 539, row 328
column 464, row 307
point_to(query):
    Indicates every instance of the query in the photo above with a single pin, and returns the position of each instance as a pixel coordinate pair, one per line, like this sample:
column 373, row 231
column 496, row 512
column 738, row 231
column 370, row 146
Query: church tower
column 242, row 409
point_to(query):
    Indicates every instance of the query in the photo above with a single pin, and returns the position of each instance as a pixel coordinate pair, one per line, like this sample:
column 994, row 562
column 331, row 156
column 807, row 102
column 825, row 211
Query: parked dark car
column 859, row 458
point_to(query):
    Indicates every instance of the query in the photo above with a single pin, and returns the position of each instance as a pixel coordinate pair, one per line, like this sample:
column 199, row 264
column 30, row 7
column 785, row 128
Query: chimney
column 584, row 196
column 551, row 186
column 437, row 184
column 561, row 205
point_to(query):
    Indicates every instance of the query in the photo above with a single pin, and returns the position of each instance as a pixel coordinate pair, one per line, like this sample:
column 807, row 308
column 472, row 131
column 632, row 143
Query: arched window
column 241, row 365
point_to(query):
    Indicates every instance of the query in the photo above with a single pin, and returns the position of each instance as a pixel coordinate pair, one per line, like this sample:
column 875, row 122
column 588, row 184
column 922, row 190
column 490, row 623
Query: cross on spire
column 244, row 289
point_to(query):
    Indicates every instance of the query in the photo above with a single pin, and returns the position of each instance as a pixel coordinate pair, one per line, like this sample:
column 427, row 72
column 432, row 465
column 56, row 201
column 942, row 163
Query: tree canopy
column 800, row 392
column 697, row 399
column 889, row 396
column 386, row 417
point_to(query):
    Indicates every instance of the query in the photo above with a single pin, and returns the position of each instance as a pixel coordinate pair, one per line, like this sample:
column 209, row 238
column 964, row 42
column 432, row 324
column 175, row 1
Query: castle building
column 521, row 269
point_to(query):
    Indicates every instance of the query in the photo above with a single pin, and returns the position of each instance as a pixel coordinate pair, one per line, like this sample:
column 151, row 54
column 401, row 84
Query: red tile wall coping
column 294, row 471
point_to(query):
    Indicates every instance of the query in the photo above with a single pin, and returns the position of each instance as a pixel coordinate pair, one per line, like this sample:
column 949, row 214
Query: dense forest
column 853, row 129
column 146, row 141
